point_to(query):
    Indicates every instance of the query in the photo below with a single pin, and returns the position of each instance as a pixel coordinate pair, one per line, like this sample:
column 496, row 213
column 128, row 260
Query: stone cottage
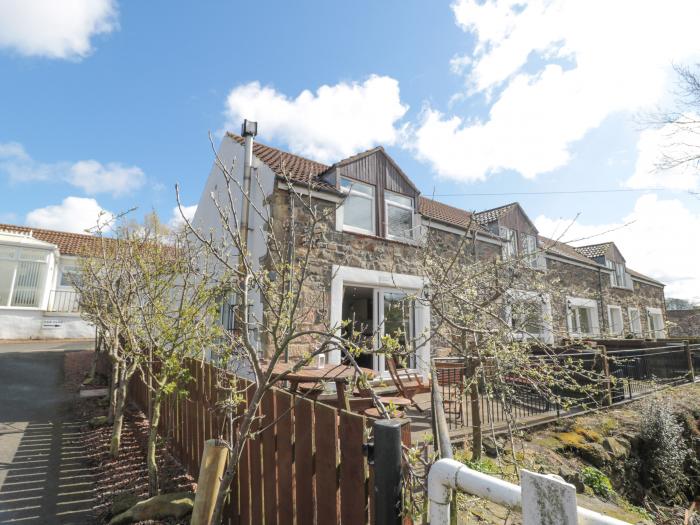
column 370, row 257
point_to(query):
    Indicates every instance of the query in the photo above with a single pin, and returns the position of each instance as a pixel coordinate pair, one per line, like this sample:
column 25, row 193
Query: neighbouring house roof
column 594, row 250
column 444, row 213
column 488, row 216
column 637, row 275
column 565, row 250
column 67, row 243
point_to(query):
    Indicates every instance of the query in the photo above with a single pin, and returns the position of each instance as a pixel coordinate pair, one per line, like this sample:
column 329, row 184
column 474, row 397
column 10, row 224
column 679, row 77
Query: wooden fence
column 306, row 466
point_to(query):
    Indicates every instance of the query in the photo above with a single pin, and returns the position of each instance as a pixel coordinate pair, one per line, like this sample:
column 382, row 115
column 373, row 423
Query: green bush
column 597, row 481
column 663, row 451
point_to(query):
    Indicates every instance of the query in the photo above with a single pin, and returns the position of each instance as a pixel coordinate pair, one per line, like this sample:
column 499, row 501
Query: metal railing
column 65, row 301
column 630, row 373
column 542, row 498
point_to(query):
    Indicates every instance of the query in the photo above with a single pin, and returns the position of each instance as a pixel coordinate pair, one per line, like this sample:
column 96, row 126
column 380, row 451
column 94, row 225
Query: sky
column 105, row 105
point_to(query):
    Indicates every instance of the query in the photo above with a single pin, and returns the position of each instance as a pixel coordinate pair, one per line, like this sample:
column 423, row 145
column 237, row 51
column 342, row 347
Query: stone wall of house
column 354, row 250
column 569, row 280
column 683, row 323
column 643, row 296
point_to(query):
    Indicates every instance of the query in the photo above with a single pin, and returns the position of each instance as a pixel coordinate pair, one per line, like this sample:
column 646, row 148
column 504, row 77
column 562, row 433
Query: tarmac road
column 43, row 478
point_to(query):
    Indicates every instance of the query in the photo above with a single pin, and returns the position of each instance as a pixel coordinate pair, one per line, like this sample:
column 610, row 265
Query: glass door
column 394, row 313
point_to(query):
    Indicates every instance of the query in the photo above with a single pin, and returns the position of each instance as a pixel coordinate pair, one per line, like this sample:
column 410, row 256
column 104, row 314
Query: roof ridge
column 32, row 229
column 238, row 138
column 497, row 208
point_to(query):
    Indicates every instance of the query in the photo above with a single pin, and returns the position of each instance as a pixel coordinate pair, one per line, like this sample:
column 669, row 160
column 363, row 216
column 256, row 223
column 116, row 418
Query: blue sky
column 107, row 104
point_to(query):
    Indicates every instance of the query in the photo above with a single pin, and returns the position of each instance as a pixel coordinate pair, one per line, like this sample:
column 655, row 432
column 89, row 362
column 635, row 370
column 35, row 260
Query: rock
column 616, row 448
column 123, row 502
column 491, row 447
column 573, row 477
column 97, row 421
column 176, row 505
column 594, row 453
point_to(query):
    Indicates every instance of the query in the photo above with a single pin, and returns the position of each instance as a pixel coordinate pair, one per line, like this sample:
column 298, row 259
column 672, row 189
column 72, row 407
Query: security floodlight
column 249, row 128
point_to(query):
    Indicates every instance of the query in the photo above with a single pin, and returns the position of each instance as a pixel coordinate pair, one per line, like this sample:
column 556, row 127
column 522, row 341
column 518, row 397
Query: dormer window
column 619, row 275
column 358, row 207
column 399, row 215
column 510, row 242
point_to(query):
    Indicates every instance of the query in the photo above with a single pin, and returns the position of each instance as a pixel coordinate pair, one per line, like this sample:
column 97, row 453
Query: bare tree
column 275, row 297
column 492, row 312
column 176, row 309
column 108, row 288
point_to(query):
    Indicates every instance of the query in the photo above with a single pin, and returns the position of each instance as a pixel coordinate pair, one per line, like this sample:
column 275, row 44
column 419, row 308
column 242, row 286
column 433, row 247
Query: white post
column 544, row 499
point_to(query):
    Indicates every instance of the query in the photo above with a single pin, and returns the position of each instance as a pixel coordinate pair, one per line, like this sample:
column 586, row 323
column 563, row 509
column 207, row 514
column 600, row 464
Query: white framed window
column 510, row 242
column 529, row 314
column 655, row 321
column 635, row 321
column 399, row 215
column 69, row 274
column 582, row 317
column 22, row 276
column 619, row 276
column 615, row 320
column 358, row 208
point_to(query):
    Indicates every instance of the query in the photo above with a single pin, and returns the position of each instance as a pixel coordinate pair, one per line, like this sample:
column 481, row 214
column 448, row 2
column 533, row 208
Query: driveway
column 43, row 477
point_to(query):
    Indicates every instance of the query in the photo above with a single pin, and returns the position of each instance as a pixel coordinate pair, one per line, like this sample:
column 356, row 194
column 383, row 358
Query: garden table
column 339, row 374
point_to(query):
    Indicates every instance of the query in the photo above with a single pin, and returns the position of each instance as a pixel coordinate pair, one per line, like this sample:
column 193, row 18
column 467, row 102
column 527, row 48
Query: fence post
column 214, row 459
column 689, row 357
column 387, row 472
column 608, row 399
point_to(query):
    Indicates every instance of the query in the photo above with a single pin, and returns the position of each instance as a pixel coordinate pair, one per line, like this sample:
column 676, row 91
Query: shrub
column 663, row 451
column 597, row 481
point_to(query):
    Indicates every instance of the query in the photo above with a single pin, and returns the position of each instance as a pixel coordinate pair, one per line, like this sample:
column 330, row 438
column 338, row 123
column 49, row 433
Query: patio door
column 393, row 315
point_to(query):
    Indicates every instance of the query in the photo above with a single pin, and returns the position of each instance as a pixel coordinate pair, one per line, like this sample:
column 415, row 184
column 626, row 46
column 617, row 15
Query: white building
column 37, row 300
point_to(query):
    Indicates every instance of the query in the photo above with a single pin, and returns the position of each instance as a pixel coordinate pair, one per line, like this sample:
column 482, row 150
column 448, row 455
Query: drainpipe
column 249, row 129
column 603, row 313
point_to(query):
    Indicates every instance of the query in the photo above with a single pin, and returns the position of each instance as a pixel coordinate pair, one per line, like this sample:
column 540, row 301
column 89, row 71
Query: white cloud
column 176, row 221
column 89, row 175
column 74, row 214
column 328, row 125
column 658, row 242
column 552, row 70
column 94, row 177
column 659, row 153
column 55, row 29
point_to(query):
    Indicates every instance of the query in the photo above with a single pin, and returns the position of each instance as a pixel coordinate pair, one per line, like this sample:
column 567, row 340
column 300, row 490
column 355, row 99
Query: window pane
column 8, row 252
column 6, row 271
column 358, row 213
column 584, row 320
column 28, row 254
column 390, row 196
column 348, row 184
column 28, row 283
column 399, row 221
column 69, row 274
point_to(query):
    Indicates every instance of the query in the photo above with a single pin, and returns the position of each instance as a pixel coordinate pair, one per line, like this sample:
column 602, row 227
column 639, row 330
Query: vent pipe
column 249, row 129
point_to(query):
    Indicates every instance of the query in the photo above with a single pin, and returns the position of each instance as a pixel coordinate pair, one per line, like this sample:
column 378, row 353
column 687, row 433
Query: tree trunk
column 476, row 419
column 113, row 388
column 234, row 458
column 151, row 451
column 473, row 381
column 119, row 413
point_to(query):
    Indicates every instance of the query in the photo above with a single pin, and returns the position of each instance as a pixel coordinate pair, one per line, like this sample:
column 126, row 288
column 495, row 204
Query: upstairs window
column 358, row 206
column 619, row 275
column 510, row 242
column 69, row 275
column 399, row 215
